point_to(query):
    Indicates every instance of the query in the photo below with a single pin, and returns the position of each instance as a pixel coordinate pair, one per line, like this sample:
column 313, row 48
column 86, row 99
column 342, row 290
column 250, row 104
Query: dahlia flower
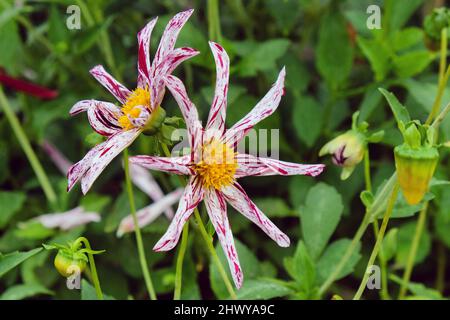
column 214, row 165
column 68, row 220
column 140, row 109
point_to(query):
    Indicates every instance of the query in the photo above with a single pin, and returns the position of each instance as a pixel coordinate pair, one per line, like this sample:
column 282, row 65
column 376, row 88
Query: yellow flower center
column 139, row 97
column 217, row 165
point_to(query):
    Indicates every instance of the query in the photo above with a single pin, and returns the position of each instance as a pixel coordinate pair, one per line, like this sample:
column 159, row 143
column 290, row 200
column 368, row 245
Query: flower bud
column 347, row 151
column 67, row 262
column 433, row 25
column 416, row 160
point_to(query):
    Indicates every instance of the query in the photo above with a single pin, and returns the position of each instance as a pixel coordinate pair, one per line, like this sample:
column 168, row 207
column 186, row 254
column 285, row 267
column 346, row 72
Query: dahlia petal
column 239, row 199
column 144, row 54
column 175, row 165
column 262, row 110
column 148, row 214
column 192, row 195
column 188, row 109
column 217, row 113
column 165, row 68
column 112, row 147
column 217, row 212
column 69, row 219
column 77, row 170
column 143, row 179
column 250, row 165
column 119, row 91
column 60, row 161
column 169, row 37
column 102, row 115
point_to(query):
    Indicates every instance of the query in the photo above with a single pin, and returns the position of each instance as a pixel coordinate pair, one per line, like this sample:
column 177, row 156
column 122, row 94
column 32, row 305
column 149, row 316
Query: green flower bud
column 415, row 168
column 416, row 160
column 71, row 258
column 67, row 263
column 433, row 25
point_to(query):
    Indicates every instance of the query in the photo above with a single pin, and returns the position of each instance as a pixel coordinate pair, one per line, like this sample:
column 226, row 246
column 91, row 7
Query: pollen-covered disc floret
column 217, row 165
column 139, row 97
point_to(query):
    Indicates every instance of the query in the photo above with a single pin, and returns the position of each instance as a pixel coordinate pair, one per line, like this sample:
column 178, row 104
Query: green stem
column 137, row 230
column 95, row 279
column 376, row 248
column 26, row 147
column 180, row 258
column 207, row 239
column 437, row 122
column 413, row 251
column 214, row 30
column 212, row 251
column 443, row 77
column 384, row 293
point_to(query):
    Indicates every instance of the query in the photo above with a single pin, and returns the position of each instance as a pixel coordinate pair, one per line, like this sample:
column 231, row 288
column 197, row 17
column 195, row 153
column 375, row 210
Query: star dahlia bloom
column 214, row 165
column 140, row 109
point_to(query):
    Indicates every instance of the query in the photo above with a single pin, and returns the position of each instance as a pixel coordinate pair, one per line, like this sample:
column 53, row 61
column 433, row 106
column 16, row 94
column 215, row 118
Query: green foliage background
column 335, row 66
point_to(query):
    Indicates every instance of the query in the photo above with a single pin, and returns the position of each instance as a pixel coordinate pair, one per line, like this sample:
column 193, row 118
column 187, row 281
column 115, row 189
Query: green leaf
column 412, row 63
column 320, row 217
column 307, row 119
column 262, row 289
column 331, row 257
column 397, row 13
column 22, row 291
column 370, row 102
column 249, row 265
column 11, row 260
column 88, row 292
column 12, row 58
column 334, row 50
column 94, row 202
column 389, row 244
column 303, row 268
column 406, row 38
column 285, row 13
column 11, row 203
column 263, row 57
column 405, row 237
column 378, row 55
column 401, row 114
column 420, row 291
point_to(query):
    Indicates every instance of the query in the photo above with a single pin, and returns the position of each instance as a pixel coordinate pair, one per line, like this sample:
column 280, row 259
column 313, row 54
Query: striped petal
column 237, row 197
column 142, row 178
column 117, row 89
column 217, row 212
column 148, row 214
column 169, row 37
column 165, row 68
column 110, row 149
column 217, row 113
column 175, row 165
column 250, row 165
column 188, row 109
column 192, row 195
column 77, row 171
column 262, row 110
column 102, row 115
column 144, row 54
column 68, row 220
